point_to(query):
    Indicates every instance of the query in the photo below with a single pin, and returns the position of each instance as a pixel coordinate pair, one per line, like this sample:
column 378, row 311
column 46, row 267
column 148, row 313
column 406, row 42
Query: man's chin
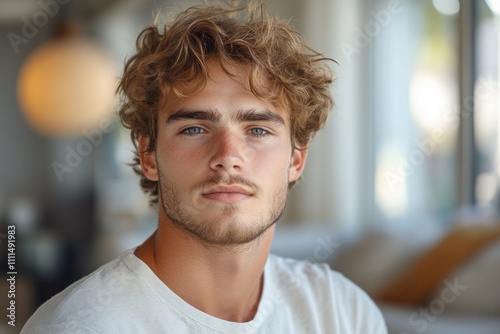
column 232, row 237
column 235, row 230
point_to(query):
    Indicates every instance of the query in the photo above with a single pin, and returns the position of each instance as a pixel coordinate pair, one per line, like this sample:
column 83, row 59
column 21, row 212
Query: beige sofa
column 465, row 300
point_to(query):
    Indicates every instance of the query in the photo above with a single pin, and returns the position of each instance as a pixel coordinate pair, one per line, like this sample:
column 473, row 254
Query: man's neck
column 223, row 281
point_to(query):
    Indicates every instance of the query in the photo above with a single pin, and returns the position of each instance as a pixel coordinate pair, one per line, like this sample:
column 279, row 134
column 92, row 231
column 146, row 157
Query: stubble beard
column 223, row 233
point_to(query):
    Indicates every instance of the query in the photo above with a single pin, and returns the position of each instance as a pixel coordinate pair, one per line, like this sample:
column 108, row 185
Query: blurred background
column 401, row 190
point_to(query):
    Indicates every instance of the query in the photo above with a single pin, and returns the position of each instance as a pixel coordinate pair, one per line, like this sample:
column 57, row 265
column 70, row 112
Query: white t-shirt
column 125, row 296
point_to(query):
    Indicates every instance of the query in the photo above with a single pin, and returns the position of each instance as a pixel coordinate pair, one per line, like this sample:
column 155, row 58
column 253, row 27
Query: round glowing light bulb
column 66, row 86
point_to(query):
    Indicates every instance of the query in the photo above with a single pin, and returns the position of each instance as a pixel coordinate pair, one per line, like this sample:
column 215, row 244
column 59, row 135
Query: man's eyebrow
column 259, row 115
column 247, row 115
column 208, row 115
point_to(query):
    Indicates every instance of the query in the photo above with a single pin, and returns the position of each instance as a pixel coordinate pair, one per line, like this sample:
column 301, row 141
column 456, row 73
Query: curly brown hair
column 296, row 77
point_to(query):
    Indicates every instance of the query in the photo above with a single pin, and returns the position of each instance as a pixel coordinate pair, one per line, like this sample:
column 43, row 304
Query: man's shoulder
column 314, row 277
column 84, row 299
column 109, row 280
column 317, row 288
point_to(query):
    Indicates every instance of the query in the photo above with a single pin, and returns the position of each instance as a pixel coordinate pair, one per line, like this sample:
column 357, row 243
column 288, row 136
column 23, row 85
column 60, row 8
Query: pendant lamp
column 67, row 85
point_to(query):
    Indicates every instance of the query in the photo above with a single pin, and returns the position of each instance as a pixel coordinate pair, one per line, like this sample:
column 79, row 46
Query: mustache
column 226, row 179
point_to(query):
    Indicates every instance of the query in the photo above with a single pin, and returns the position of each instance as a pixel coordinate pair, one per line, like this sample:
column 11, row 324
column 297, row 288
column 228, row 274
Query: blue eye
column 195, row 130
column 258, row 132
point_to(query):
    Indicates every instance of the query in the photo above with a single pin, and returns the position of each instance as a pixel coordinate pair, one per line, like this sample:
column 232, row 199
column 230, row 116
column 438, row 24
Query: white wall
column 332, row 191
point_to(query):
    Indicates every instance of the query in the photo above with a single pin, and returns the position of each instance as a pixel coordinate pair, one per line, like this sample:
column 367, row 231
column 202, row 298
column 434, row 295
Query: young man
column 221, row 108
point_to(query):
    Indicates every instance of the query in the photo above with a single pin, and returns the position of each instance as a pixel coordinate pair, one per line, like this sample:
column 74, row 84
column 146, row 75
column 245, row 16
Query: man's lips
column 229, row 194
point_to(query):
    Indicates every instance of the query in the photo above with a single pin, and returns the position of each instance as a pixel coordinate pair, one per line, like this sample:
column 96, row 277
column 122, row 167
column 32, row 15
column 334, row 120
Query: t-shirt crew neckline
column 179, row 305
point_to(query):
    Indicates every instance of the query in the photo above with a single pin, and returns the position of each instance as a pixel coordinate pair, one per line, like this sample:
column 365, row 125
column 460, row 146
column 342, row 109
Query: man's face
column 223, row 160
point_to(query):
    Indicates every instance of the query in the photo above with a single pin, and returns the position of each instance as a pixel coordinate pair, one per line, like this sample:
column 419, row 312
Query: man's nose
column 228, row 152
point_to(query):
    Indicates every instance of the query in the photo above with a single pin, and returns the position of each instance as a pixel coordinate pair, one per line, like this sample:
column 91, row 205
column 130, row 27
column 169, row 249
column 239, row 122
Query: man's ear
column 297, row 164
column 147, row 159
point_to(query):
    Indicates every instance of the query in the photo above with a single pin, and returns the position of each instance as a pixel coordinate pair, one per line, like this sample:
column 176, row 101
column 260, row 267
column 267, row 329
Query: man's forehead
column 196, row 94
column 218, row 73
